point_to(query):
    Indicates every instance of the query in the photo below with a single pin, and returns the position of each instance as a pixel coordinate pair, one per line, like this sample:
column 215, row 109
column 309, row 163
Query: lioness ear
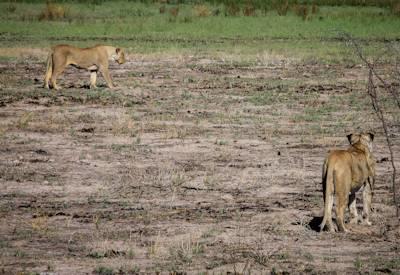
column 117, row 50
column 353, row 138
column 349, row 138
column 371, row 136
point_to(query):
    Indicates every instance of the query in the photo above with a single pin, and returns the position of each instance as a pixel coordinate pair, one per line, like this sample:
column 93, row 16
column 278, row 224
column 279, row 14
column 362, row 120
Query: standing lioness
column 92, row 59
column 344, row 173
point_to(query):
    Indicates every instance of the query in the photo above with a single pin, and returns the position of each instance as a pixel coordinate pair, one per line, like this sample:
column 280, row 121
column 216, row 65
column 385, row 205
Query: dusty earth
column 193, row 164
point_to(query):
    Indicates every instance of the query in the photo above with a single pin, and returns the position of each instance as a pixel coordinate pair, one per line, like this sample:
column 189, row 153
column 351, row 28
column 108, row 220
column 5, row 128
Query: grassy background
column 304, row 31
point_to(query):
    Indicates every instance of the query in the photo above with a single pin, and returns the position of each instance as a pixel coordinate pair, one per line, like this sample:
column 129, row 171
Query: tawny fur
column 344, row 173
column 93, row 59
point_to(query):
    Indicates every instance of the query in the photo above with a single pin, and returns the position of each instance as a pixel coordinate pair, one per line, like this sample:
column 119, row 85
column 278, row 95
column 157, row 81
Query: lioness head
column 120, row 56
column 363, row 138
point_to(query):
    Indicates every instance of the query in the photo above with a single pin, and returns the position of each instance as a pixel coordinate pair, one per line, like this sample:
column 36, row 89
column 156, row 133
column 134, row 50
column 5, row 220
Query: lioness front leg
column 59, row 64
column 367, row 199
column 107, row 77
column 353, row 209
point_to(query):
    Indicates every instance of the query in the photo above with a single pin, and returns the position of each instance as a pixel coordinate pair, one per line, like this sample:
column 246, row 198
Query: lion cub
column 93, row 59
column 344, row 173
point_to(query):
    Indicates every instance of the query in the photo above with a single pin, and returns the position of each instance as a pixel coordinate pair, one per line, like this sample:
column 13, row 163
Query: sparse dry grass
column 24, row 120
column 186, row 250
column 35, row 121
column 24, row 53
column 40, row 224
column 210, row 171
column 125, row 126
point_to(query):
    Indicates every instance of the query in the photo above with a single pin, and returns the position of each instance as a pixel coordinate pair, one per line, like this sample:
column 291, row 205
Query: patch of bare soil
column 188, row 166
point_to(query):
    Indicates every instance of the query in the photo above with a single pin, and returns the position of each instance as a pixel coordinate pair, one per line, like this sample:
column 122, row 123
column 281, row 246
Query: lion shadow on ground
column 314, row 223
column 85, row 86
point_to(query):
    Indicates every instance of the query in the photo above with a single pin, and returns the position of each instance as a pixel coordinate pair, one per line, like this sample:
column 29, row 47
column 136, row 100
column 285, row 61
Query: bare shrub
column 232, row 9
column 163, row 9
column 174, row 12
column 216, row 12
column 383, row 87
column 395, row 9
column 282, row 7
column 186, row 19
column 314, row 9
column 249, row 10
column 301, row 11
column 11, row 8
column 28, row 16
column 53, row 12
column 201, row 11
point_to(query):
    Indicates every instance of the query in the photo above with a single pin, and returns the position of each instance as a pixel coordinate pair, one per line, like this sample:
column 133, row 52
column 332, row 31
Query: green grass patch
column 153, row 28
column 319, row 113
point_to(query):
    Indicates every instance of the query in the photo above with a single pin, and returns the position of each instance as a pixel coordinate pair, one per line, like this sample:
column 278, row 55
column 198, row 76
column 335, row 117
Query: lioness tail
column 328, row 182
column 49, row 70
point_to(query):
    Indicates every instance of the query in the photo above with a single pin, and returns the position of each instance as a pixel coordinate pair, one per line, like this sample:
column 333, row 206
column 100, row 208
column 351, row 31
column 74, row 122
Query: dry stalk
column 373, row 93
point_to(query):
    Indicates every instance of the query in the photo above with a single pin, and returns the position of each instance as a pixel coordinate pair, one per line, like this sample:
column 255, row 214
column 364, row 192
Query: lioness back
column 82, row 58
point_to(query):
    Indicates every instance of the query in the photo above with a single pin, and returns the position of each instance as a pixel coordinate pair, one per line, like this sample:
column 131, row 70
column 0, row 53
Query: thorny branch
column 379, row 110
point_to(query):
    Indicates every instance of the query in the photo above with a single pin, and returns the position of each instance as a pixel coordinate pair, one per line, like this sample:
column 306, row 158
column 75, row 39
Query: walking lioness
column 344, row 173
column 92, row 59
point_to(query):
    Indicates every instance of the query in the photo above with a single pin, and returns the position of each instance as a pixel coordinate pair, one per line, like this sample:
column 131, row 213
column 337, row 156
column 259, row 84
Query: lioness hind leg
column 341, row 206
column 59, row 64
column 47, row 78
column 56, row 73
column 353, row 209
column 49, row 70
column 367, row 199
column 53, row 79
column 93, row 77
column 329, row 224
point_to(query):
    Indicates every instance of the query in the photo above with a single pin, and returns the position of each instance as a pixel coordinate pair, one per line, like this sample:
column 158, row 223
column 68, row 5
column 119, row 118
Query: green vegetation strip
column 144, row 27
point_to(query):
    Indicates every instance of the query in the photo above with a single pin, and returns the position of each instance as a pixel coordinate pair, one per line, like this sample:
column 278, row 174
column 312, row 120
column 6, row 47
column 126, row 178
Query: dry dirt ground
column 193, row 164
